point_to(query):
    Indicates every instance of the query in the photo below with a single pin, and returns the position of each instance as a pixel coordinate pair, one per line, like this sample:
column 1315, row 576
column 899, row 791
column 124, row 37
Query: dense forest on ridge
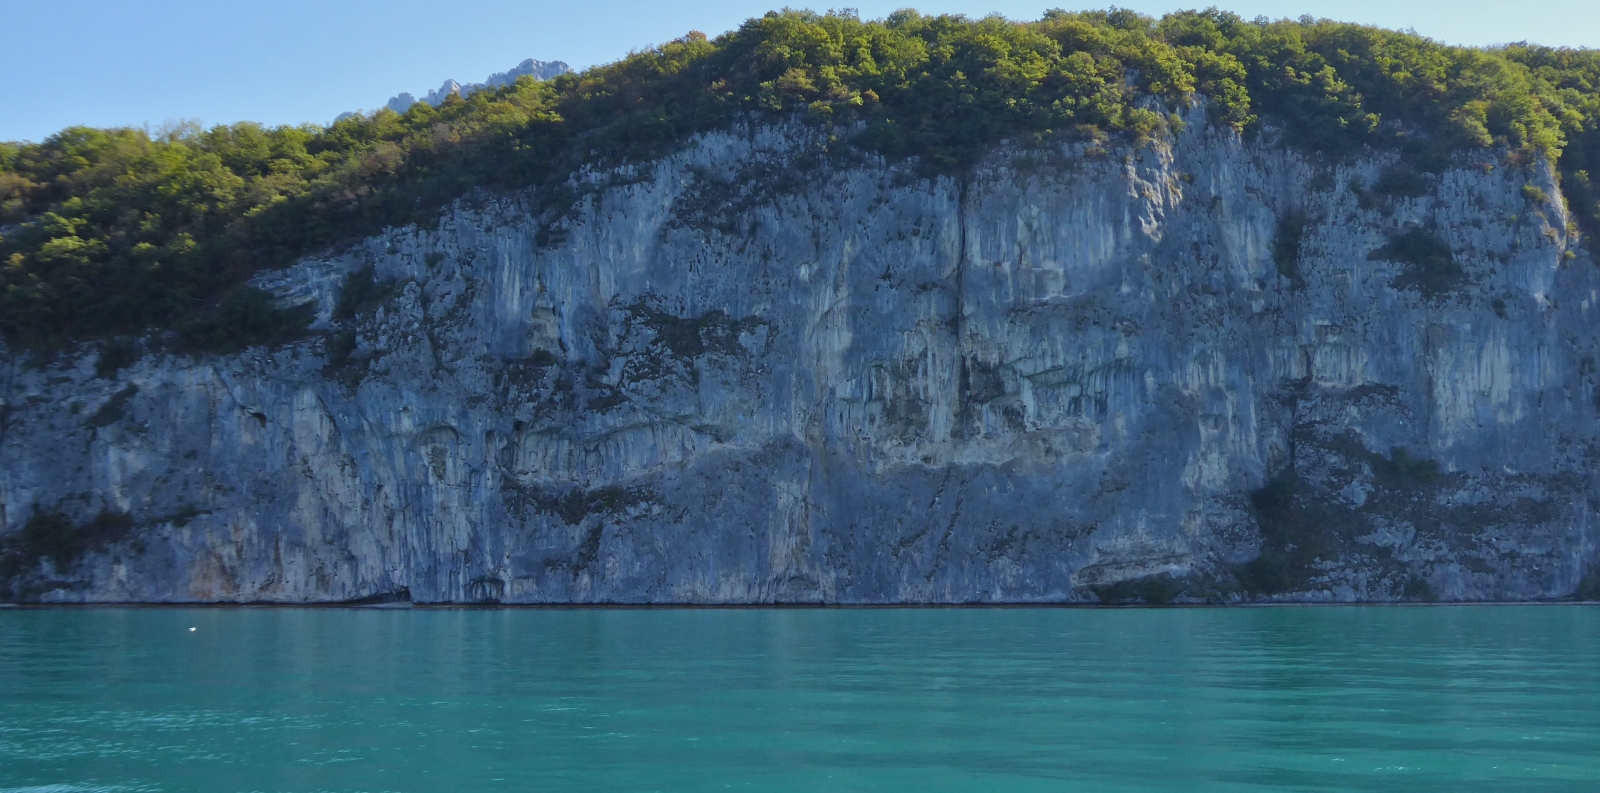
column 108, row 233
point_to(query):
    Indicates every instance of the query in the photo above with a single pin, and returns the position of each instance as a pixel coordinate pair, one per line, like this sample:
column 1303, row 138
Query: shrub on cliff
column 118, row 232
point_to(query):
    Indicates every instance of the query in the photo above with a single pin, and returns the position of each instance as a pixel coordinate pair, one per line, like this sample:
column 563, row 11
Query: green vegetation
column 1588, row 588
column 1401, row 182
column 114, row 408
column 1418, row 589
column 1571, row 80
column 1156, row 590
column 1431, row 266
column 1401, row 471
column 1286, row 246
column 51, row 535
column 1290, row 543
column 115, row 355
column 361, row 292
column 108, row 233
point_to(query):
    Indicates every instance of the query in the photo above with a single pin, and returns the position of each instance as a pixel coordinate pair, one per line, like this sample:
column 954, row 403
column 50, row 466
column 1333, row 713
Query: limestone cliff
column 762, row 371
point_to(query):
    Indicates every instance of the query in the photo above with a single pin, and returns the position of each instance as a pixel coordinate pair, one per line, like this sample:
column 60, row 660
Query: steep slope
column 109, row 236
column 765, row 369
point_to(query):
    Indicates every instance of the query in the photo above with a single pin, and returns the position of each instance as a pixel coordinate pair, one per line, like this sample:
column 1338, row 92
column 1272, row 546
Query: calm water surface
column 1303, row 699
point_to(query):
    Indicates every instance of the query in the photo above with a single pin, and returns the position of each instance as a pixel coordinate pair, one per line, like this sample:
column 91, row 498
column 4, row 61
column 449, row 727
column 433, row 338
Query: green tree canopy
column 119, row 232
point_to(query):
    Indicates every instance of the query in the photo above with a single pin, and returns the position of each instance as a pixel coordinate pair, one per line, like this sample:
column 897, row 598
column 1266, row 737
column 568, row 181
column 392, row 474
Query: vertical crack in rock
column 963, row 412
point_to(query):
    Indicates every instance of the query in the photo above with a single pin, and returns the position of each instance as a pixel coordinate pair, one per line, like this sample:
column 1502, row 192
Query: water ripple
column 1316, row 699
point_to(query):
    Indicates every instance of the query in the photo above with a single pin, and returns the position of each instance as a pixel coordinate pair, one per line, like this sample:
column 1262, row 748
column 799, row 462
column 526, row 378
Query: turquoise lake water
column 1303, row 699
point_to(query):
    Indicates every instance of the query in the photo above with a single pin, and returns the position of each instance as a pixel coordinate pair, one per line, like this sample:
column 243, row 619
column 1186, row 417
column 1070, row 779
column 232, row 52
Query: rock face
column 755, row 372
column 538, row 70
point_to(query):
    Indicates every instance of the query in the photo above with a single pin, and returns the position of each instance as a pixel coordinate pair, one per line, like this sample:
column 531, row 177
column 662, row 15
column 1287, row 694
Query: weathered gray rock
column 753, row 373
column 400, row 103
column 539, row 70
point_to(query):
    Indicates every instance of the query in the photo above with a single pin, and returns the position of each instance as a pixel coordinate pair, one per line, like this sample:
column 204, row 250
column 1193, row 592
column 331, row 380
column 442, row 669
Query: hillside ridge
column 111, row 234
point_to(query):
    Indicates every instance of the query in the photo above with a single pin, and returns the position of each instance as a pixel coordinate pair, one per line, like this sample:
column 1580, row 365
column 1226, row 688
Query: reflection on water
column 1348, row 699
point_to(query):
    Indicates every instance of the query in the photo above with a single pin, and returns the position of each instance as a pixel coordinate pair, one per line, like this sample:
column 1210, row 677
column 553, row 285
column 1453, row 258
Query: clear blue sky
column 134, row 62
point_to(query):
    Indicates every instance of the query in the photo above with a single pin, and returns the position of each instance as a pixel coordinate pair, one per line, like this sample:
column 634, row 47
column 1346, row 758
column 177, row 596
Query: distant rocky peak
column 539, row 70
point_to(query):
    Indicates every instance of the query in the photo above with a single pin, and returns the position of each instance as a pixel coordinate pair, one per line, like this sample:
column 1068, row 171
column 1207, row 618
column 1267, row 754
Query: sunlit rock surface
column 758, row 373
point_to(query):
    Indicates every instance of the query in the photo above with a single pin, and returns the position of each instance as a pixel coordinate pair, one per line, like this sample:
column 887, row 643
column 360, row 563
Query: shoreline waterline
column 409, row 606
